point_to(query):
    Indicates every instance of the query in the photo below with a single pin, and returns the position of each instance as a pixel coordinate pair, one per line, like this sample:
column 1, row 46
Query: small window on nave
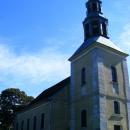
column 34, row 123
column 42, row 120
column 22, row 125
column 28, row 124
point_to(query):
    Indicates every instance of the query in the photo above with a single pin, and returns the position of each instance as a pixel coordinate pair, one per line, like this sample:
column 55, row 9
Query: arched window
column 83, row 118
column 83, row 76
column 114, row 74
column 116, row 107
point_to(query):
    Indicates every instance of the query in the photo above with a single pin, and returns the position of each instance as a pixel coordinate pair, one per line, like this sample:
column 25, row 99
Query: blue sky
column 37, row 38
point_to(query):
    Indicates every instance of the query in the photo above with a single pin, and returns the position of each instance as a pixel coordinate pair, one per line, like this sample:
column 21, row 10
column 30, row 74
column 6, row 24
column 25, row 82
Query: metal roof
column 97, row 41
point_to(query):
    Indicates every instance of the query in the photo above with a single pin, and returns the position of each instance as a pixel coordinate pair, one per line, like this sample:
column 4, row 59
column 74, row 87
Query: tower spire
column 95, row 24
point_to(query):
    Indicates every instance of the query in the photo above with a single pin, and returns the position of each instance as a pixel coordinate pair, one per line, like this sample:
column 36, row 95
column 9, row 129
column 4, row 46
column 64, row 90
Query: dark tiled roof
column 44, row 95
column 52, row 90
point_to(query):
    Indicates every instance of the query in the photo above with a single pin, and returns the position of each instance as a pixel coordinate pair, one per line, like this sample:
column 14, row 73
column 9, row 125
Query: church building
column 96, row 96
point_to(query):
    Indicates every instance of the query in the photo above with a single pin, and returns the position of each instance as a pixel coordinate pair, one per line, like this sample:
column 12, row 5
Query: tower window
column 87, row 30
column 28, row 124
column 34, row 123
column 104, row 29
column 42, row 121
column 94, row 6
column 83, row 76
column 83, row 118
column 116, row 107
column 117, row 127
column 99, row 7
column 95, row 26
column 22, row 125
column 89, row 8
column 114, row 74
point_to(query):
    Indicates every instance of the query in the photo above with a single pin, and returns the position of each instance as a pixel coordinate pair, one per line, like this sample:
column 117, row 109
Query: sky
column 38, row 36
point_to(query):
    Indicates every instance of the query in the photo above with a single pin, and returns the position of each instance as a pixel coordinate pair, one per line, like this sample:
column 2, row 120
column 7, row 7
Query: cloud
column 125, row 36
column 47, row 65
column 124, row 40
column 34, row 71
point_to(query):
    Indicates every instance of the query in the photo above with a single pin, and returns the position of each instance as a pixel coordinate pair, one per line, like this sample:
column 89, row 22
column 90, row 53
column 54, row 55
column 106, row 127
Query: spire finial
column 95, row 24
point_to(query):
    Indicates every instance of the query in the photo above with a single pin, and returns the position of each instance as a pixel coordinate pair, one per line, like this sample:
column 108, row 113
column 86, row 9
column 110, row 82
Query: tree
column 10, row 99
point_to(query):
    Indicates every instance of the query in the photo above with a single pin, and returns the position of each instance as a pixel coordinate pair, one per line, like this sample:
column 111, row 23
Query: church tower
column 99, row 92
column 95, row 23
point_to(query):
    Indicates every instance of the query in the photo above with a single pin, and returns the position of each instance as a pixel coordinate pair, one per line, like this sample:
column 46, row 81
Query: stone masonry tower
column 99, row 92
